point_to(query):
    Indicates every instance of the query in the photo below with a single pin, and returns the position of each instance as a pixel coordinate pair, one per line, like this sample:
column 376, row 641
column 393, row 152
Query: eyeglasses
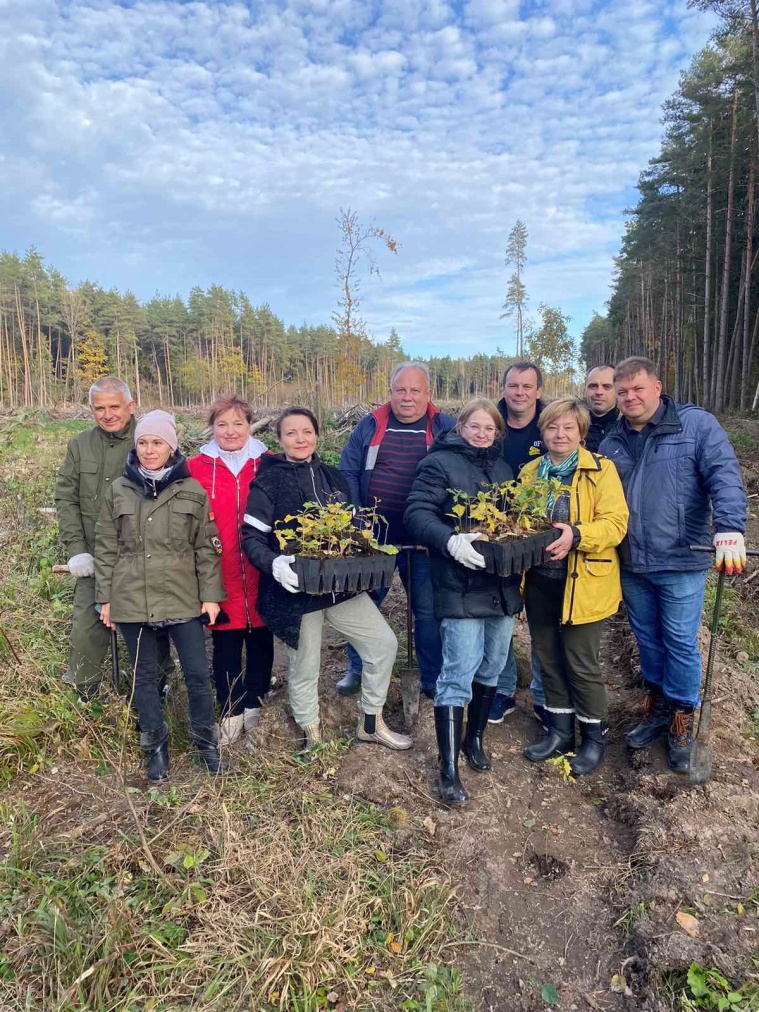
column 488, row 430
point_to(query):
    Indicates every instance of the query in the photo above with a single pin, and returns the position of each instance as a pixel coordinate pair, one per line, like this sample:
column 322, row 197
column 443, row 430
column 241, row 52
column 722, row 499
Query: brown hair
column 480, row 404
column 523, row 367
column 632, row 366
column 229, row 402
column 565, row 406
column 297, row 411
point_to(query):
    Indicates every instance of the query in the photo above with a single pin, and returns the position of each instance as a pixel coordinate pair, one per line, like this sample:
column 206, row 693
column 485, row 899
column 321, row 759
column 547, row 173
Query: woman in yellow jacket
column 577, row 586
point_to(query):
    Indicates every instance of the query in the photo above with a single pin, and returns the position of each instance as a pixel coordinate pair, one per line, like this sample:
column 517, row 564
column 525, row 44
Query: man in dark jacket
column 520, row 406
column 94, row 459
column 681, row 480
column 601, row 399
column 379, row 461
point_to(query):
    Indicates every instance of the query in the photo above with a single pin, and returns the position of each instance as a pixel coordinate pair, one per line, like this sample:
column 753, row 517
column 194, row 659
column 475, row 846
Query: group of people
column 161, row 545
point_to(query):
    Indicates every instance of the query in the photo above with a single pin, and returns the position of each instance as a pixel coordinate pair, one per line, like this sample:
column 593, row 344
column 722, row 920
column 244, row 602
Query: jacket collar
column 671, row 420
column 254, row 447
column 152, row 489
column 382, row 414
column 451, row 440
column 501, row 405
column 269, row 461
column 608, row 418
column 588, row 461
column 127, row 433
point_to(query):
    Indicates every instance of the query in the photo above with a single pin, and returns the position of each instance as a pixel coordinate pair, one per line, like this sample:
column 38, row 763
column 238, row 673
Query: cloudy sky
column 161, row 144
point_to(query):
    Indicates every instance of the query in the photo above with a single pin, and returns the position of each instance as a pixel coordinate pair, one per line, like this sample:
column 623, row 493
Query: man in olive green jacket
column 94, row 459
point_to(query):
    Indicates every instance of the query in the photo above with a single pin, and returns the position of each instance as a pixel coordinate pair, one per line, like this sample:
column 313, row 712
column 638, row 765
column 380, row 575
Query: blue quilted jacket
column 685, row 485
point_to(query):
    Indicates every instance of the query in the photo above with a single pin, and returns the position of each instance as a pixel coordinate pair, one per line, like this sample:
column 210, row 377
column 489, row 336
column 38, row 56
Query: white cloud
column 225, row 136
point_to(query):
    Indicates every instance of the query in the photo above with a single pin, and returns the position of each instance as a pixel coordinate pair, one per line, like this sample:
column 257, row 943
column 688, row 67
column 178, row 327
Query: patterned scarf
column 547, row 469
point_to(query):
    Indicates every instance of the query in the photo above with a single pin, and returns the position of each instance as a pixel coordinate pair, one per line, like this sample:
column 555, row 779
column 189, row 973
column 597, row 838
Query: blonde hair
column 565, row 406
column 480, row 404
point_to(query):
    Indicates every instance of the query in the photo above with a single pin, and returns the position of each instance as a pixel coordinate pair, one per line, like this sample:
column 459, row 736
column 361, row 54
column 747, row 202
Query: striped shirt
column 403, row 446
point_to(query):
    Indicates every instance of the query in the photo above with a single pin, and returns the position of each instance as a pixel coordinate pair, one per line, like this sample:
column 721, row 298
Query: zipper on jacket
column 239, row 549
column 313, row 485
column 574, row 576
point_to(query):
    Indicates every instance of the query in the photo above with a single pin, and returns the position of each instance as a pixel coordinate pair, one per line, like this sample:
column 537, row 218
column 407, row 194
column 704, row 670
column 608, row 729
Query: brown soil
column 571, row 883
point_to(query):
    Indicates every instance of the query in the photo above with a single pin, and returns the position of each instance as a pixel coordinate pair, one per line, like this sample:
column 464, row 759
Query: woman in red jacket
column 225, row 468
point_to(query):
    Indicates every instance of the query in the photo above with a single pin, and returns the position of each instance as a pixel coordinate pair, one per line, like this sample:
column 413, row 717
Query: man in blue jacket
column 681, row 479
column 380, row 460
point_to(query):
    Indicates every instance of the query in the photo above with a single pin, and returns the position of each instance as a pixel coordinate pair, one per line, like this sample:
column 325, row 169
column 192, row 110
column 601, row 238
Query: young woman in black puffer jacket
column 476, row 609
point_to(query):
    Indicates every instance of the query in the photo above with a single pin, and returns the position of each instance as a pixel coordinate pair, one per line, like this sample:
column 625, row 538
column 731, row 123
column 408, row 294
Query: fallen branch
column 12, row 649
column 85, row 827
column 262, row 423
column 491, row 945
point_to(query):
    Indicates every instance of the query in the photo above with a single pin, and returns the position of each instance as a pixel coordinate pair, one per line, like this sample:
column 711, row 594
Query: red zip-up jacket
column 228, row 495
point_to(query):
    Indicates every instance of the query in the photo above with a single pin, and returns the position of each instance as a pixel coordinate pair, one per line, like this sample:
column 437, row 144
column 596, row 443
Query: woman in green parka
column 157, row 566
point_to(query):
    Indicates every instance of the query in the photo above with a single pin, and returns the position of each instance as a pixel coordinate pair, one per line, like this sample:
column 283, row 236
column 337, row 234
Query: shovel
column 702, row 754
column 114, row 644
column 409, row 673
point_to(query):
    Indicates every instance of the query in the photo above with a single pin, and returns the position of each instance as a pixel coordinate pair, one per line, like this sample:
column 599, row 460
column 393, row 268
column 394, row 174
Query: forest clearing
column 338, row 880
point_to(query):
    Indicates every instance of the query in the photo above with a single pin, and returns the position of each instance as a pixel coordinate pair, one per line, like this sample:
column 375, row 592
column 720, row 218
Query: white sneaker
column 383, row 735
column 230, row 729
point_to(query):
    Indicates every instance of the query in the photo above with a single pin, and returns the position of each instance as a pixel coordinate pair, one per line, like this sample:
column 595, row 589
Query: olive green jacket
column 94, row 459
column 157, row 559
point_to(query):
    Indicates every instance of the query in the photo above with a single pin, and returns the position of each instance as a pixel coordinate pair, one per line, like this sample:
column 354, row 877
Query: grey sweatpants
column 362, row 624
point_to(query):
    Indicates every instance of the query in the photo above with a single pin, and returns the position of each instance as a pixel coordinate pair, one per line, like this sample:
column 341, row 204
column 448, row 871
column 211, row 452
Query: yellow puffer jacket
column 598, row 509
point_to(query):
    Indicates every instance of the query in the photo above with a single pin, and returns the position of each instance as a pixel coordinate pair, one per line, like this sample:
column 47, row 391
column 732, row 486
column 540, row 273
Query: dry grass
column 266, row 889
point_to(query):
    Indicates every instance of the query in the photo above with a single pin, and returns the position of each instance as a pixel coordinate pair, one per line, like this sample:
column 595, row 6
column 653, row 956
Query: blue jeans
column 664, row 610
column 474, row 650
column 507, row 680
column 427, row 643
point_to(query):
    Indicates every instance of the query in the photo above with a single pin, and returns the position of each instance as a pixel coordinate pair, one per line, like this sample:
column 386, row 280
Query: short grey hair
column 110, row 385
column 402, row 366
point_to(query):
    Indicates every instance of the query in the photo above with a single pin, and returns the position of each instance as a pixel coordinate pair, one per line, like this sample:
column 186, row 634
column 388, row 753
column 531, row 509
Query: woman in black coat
column 284, row 483
column 475, row 609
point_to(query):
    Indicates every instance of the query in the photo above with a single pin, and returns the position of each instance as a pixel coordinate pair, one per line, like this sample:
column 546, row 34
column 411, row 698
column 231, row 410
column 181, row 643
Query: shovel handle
column 712, row 549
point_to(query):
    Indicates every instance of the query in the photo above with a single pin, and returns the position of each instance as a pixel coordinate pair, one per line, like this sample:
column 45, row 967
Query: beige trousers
column 362, row 624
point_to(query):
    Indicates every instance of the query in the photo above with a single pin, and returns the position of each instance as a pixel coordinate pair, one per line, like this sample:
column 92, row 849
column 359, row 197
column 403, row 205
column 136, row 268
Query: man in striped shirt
column 380, row 460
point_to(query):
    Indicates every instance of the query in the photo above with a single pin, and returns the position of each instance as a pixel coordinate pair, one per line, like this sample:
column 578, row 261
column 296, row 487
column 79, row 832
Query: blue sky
column 158, row 144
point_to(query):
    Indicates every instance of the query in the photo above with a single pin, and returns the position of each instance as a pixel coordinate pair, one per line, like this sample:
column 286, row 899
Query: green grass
column 741, row 440
column 706, row 988
column 737, row 628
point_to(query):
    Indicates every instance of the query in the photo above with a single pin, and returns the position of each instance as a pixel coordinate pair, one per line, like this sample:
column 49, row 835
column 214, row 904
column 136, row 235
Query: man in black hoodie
column 601, row 399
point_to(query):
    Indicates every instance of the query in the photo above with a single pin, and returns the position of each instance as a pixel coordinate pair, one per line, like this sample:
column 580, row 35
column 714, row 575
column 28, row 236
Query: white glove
column 731, row 552
column 81, row 565
column 282, row 573
column 460, row 548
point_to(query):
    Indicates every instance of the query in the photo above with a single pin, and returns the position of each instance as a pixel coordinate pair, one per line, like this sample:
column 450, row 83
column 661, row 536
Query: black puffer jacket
column 279, row 489
column 453, row 463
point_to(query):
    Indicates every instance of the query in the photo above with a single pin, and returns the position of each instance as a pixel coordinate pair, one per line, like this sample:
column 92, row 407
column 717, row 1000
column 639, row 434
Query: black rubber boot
column 559, row 740
column 448, row 724
column 591, row 752
column 657, row 714
column 476, row 722
column 207, row 743
column 680, row 740
column 350, row 683
column 156, row 748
